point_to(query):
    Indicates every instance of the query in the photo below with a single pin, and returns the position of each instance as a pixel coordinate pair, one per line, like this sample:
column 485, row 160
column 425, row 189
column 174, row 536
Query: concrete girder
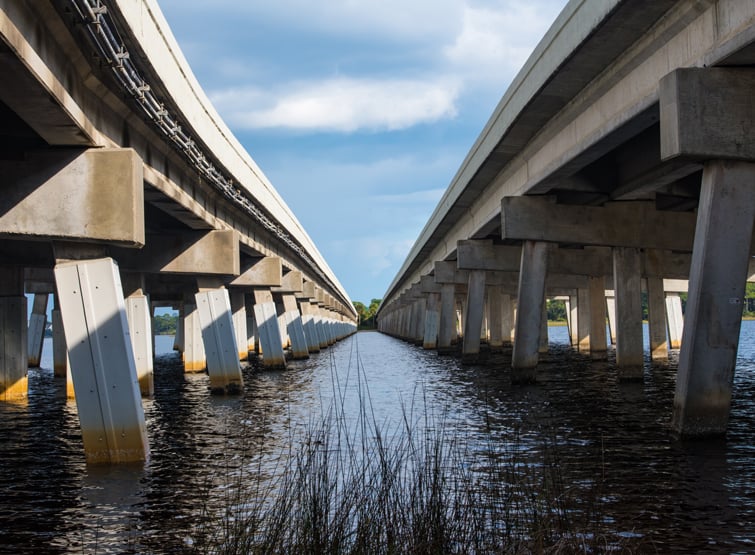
column 95, row 195
column 213, row 252
column 616, row 224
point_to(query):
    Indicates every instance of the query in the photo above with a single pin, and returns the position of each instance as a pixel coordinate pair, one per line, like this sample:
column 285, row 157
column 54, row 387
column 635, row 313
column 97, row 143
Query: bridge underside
column 122, row 191
column 621, row 166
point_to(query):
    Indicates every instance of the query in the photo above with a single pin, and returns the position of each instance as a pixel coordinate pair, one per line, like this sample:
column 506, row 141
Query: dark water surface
column 672, row 496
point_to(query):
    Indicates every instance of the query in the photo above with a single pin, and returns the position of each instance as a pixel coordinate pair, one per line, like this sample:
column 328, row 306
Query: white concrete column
column 657, row 319
column 596, row 286
column 573, row 320
column 178, row 339
column 495, row 317
column 628, row 288
column 13, row 335
column 139, row 319
column 718, row 273
column 583, row 320
column 37, row 324
column 431, row 321
column 295, row 327
column 507, row 319
column 611, row 313
column 238, row 308
column 310, row 326
column 193, row 355
column 473, row 316
column 529, row 310
column 447, row 327
column 543, row 344
column 674, row 319
column 102, row 361
column 268, row 330
column 219, row 337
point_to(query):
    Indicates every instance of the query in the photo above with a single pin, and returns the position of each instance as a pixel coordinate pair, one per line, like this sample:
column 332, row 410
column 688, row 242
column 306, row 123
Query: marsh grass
column 348, row 484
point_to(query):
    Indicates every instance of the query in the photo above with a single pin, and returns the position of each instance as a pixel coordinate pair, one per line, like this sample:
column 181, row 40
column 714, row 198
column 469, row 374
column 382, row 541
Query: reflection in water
column 611, row 439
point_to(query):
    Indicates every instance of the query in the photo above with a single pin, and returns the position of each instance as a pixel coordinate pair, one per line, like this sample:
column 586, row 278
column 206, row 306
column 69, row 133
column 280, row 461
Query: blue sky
column 358, row 112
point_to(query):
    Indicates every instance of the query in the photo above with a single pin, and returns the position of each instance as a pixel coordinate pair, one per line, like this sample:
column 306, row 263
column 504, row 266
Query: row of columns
column 718, row 268
column 102, row 332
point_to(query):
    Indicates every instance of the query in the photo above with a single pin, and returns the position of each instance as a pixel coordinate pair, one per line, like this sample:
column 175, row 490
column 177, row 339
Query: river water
column 667, row 495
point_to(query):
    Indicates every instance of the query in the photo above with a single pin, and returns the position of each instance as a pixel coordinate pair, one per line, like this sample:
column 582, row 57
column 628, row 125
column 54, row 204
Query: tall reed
column 351, row 485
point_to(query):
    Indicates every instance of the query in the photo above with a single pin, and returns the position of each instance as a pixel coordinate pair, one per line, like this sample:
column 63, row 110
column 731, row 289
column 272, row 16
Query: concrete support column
column 657, row 319
column 219, row 337
column 193, row 354
column 611, row 313
column 543, row 344
column 418, row 331
column 178, row 340
column 674, row 319
column 36, row 332
column 583, row 320
column 102, row 361
column 447, row 328
column 238, row 308
column 61, row 366
column 572, row 319
column 139, row 319
column 432, row 315
column 267, row 327
column 718, row 272
column 628, row 288
column 529, row 310
column 310, row 326
column 59, row 349
column 473, row 316
column 295, row 327
column 13, row 335
column 597, row 326
column 495, row 317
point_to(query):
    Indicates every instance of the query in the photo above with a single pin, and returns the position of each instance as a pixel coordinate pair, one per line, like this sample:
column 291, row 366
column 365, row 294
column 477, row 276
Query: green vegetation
column 347, row 485
column 165, row 324
column 367, row 314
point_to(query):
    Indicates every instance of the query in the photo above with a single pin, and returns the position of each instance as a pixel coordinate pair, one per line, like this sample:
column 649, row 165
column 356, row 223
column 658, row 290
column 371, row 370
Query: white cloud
column 374, row 255
column 495, row 40
column 340, row 104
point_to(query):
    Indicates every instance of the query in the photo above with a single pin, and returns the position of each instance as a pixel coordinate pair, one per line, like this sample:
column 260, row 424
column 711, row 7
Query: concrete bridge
column 122, row 190
column 621, row 159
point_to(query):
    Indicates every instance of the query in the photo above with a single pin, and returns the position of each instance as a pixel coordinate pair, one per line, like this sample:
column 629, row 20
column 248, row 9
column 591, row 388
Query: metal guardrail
column 93, row 15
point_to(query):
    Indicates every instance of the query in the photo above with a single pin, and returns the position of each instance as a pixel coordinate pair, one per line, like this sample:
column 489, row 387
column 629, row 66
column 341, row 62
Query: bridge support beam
column 140, row 328
column 628, row 288
column 572, row 320
column 657, row 319
column 496, row 317
column 473, row 316
column 674, row 319
column 583, row 319
column 238, row 309
column 219, row 338
column 447, row 318
column 295, row 327
column 714, row 308
column 37, row 324
column 268, row 329
column 194, row 357
column 13, row 335
column 310, row 325
column 432, row 320
column 529, row 310
column 102, row 361
column 597, row 317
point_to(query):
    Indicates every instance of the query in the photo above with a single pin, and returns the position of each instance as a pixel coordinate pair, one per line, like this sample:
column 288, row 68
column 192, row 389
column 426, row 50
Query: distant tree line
column 165, row 324
column 367, row 314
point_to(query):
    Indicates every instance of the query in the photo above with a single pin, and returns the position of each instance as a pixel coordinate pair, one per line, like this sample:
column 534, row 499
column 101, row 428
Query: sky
column 358, row 112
